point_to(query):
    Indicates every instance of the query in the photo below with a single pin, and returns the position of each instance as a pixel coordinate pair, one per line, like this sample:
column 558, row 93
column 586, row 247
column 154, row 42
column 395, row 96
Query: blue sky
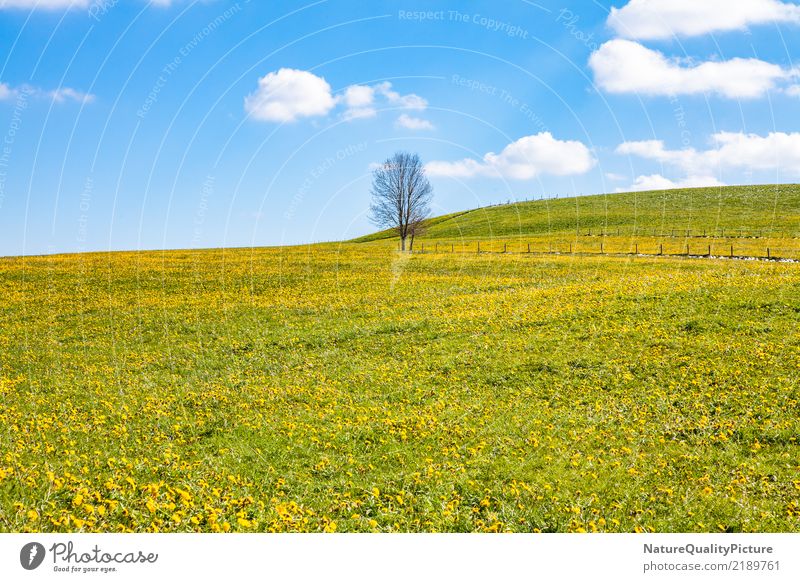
column 145, row 125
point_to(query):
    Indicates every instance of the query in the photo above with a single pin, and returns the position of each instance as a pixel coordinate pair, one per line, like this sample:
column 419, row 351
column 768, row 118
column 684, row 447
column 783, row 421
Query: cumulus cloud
column 7, row 92
column 410, row 101
column 43, row 4
column 523, row 159
column 413, row 123
column 60, row 95
column 776, row 151
column 660, row 19
column 359, row 113
column 67, row 94
column 624, row 66
column 659, row 182
column 289, row 94
column 362, row 100
column 59, row 4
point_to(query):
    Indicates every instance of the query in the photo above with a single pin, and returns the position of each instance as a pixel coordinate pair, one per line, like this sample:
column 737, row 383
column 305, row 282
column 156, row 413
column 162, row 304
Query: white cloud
column 523, row 159
column 659, row 182
column 60, row 4
column 67, row 94
column 793, row 91
column 59, row 95
column 410, row 101
column 624, row 66
column 7, row 92
column 413, row 123
column 359, row 113
column 775, row 151
column 655, row 150
column 362, row 99
column 660, row 19
column 737, row 151
column 289, row 94
column 359, row 100
column 43, row 4
column 359, row 96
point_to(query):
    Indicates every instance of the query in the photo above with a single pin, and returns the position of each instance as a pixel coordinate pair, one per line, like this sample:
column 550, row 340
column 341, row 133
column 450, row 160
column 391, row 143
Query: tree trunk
column 411, row 246
column 402, row 243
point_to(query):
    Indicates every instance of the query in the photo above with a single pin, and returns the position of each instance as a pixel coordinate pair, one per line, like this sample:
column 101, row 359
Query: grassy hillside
column 351, row 388
column 766, row 211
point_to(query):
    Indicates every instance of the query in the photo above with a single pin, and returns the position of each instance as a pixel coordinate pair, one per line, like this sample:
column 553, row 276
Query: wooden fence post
column 529, row 247
column 709, row 250
column 731, row 251
column 661, row 250
column 479, row 247
column 436, row 248
column 601, row 248
column 452, row 248
column 637, row 248
column 768, row 253
column 504, row 247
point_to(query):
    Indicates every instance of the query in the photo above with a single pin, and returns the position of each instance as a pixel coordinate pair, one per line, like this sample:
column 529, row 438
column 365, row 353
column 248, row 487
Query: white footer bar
column 331, row 557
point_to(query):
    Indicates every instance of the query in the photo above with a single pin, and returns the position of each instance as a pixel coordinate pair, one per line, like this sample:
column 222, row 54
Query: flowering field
column 349, row 388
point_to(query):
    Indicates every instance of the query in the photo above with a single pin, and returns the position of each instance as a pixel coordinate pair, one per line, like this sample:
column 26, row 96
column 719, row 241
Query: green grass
column 768, row 211
column 349, row 387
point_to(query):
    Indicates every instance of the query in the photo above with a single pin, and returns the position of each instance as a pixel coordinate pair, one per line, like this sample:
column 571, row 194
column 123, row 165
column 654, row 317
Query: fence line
column 688, row 233
column 718, row 250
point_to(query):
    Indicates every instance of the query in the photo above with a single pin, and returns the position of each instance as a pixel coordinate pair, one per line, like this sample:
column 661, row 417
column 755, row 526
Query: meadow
column 349, row 387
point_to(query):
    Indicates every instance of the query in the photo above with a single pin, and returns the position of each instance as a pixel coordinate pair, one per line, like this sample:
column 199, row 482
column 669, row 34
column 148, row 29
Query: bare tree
column 401, row 196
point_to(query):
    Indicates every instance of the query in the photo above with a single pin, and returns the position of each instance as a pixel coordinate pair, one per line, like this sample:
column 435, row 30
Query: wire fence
column 752, row 248
column 718, row 233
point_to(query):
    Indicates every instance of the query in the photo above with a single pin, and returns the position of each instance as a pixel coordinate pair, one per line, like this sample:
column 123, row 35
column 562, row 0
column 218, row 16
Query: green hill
column 763, row 211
